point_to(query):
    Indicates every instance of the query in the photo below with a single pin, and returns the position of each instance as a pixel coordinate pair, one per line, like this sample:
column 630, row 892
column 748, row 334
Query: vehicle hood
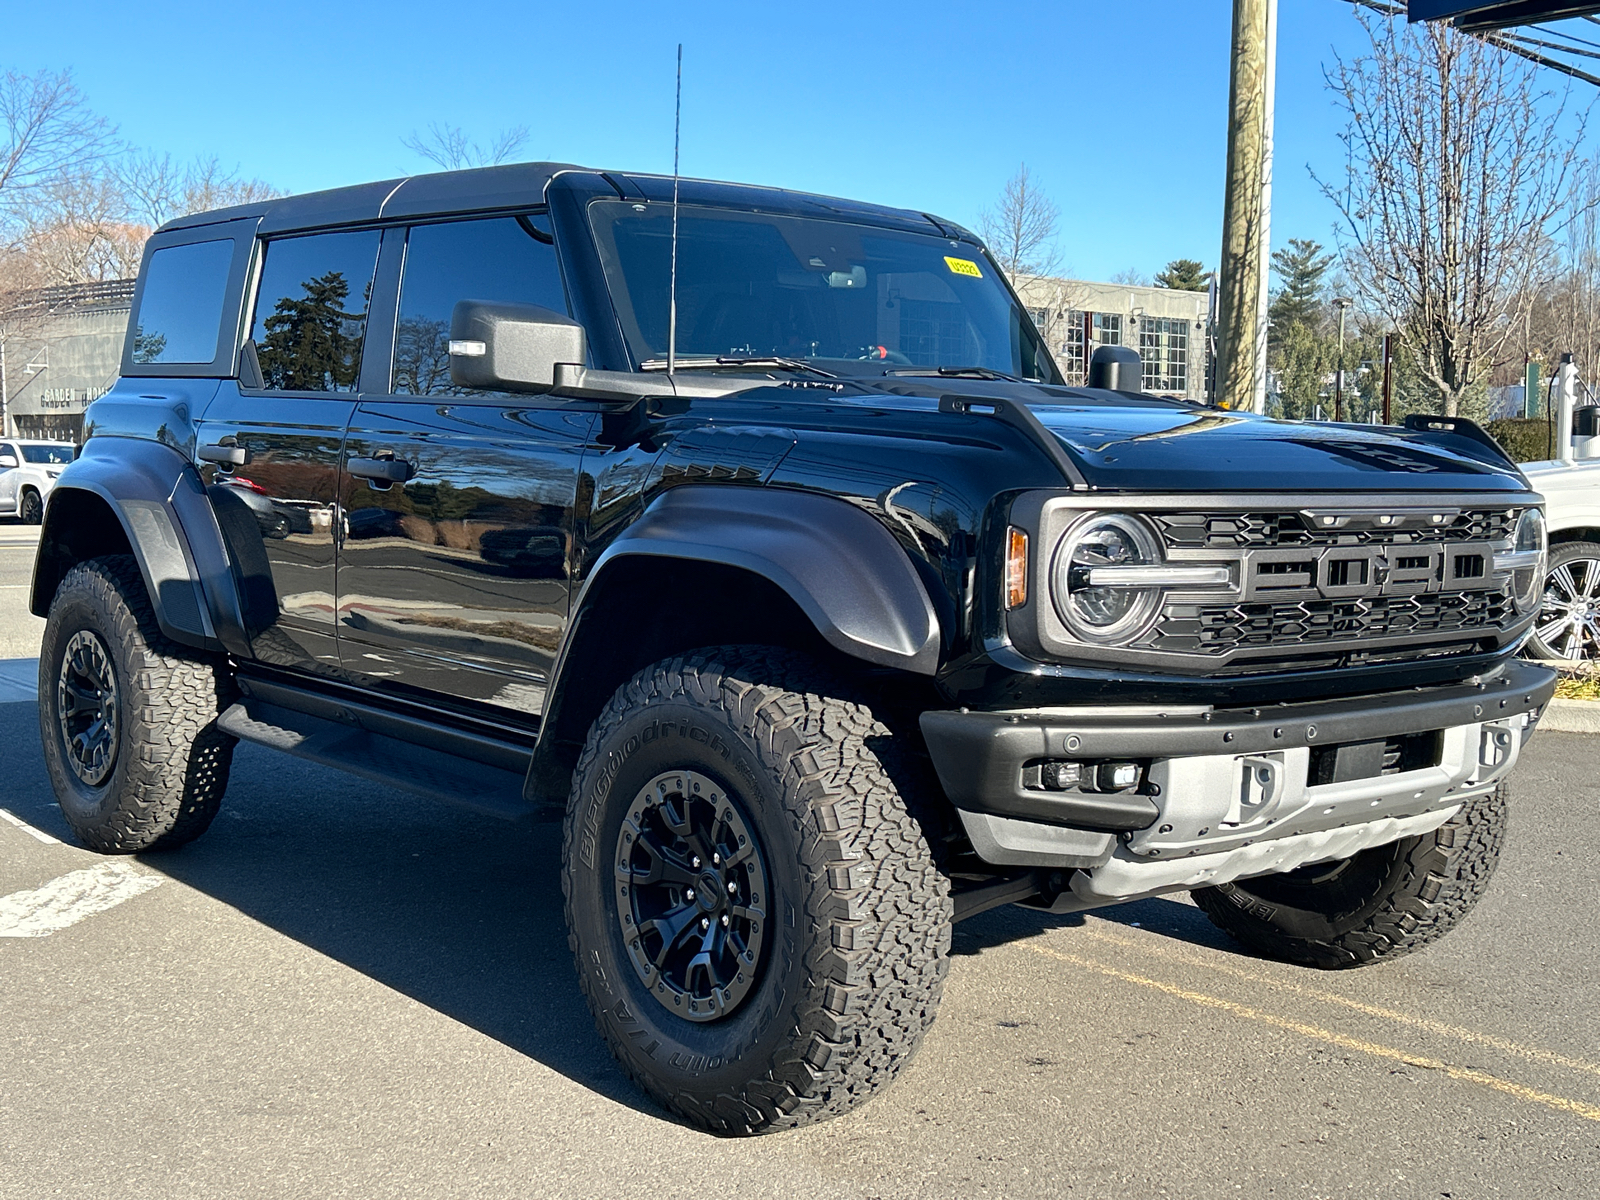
column 1171, row 450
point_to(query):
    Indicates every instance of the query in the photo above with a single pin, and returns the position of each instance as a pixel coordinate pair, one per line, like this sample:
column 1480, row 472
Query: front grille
column 1244, row 531
column 1217, row 629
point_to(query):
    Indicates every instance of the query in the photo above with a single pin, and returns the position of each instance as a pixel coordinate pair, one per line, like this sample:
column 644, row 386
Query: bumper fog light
column 1059, row 776
column 1116, row 777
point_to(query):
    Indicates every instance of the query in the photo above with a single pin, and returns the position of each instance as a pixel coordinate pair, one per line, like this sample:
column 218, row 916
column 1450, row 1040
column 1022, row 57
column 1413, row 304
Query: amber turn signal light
column 1016, row 568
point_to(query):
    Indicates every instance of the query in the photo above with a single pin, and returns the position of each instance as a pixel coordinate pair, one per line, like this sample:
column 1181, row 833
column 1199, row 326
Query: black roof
column 522, row 185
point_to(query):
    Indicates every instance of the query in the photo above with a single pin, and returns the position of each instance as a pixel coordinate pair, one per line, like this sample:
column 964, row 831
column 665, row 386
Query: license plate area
column 1369, row 760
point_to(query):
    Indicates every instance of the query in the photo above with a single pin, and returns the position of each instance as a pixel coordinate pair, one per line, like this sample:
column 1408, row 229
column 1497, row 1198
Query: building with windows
column 1166, row 326
column 60, row 348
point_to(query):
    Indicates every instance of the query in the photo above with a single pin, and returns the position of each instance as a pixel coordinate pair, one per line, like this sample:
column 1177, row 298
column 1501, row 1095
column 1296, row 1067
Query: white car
column 28, row 471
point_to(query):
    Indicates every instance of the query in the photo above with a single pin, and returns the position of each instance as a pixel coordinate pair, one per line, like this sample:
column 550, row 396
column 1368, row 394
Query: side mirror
column 1118, row 368
column 511, row 347
column 8, row 460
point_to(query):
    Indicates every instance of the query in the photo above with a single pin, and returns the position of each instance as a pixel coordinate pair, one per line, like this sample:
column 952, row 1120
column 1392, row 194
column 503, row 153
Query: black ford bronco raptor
column 806, row 590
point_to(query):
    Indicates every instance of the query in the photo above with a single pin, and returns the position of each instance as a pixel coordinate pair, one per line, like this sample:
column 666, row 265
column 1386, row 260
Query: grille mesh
column 1221, row 628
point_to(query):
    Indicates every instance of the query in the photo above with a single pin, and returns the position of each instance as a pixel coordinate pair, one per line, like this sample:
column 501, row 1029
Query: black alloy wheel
column 32, row 508
column 87, row 704
column 691, row 883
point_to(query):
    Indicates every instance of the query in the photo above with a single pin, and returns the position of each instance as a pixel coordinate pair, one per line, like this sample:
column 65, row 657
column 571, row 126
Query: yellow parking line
column 1476, row 1037
column 1589, row 1112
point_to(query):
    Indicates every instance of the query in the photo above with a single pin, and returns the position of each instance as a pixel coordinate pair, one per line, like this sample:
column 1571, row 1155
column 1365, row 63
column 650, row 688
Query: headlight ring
column 1096, row 612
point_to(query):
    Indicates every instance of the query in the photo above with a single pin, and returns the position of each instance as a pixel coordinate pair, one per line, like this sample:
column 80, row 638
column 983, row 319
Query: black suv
column 758, row 534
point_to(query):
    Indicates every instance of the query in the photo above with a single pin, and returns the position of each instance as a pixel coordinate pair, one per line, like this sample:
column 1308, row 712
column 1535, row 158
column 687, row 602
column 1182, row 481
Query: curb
column 1571, row 716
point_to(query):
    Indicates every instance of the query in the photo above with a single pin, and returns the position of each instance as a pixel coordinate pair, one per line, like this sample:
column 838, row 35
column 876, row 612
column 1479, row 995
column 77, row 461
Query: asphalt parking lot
column 344, row 991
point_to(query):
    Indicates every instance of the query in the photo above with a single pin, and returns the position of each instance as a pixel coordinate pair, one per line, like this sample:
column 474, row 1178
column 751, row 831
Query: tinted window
column 498, row 260
column 49, row 454
column 180, row 312
column 311, row 310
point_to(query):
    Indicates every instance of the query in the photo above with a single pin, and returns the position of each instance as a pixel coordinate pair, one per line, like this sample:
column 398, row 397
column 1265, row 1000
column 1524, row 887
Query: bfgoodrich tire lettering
column 168, row 761
column 1380, row 904
column 854, row 958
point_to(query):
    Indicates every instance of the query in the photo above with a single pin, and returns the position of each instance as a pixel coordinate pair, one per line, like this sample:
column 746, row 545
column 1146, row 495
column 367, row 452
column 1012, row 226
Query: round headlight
column 1096, row 610
column 1527, row 583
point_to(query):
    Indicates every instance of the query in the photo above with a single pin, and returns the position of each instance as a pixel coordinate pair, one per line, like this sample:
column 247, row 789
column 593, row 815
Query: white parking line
column 62, row 903
column 11, row 818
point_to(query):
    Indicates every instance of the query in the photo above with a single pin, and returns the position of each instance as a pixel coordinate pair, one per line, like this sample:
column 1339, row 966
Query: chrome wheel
column 1568, row 622
column 690, row 885
column 86, row 707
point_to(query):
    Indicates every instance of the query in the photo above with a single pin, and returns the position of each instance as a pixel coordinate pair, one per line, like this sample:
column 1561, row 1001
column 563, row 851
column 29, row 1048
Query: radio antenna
column 672, row 286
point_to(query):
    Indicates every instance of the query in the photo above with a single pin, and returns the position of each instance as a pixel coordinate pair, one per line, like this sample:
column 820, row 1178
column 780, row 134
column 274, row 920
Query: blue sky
column 1118, row 109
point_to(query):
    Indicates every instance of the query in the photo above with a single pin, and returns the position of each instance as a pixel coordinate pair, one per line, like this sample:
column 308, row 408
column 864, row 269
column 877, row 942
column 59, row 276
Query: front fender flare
column 844, row 570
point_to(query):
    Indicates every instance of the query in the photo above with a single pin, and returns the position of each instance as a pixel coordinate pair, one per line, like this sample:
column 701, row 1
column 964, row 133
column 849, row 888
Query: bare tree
column 77, row 231
column 46, row 130
column 1021, row 229
column 452, row 149
column 1456, row 171
column 1565, row 316
column 156, row 189
column 1132, row 277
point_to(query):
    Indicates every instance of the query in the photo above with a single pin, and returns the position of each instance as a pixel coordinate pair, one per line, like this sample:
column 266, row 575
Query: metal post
column 1338, row 376
column 1239, row 299
column 1388, row 361
column 1566, row 401
column 5, row 393
column 1530, row 389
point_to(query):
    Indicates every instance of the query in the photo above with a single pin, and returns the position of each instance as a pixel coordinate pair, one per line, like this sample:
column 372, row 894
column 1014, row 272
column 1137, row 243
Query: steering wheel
column 882, row 354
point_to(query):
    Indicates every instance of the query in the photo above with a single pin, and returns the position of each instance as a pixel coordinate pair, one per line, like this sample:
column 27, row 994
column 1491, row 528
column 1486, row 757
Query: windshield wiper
column 737, row 360
column 956, row 373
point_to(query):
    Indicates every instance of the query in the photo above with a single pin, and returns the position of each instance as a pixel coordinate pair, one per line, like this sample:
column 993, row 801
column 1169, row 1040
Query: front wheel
column 1375, row 905
column 759, row 926
column 31, row 509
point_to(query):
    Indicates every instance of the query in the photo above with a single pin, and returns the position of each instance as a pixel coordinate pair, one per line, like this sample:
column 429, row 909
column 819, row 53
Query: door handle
column 380, row 470
column 227, row 456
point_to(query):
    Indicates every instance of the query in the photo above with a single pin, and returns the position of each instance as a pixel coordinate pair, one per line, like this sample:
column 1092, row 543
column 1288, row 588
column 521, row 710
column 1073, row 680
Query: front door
column 10, row 474
column 453, row 569
column 278, row 507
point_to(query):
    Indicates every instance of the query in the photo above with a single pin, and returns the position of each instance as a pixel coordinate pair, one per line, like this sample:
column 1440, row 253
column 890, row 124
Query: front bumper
column 1224, row 782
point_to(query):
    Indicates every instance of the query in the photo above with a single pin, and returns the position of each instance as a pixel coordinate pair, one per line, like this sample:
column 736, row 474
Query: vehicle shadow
column 1173, row 918
column 460, row 912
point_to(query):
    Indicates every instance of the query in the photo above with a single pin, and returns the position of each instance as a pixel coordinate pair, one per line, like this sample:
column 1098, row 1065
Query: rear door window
column 180, row 312
column 311, row 310
column 505, row 259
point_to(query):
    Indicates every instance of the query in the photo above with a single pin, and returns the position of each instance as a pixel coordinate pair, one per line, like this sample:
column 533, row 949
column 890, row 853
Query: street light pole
column 1269, row 87
column 1338, row 379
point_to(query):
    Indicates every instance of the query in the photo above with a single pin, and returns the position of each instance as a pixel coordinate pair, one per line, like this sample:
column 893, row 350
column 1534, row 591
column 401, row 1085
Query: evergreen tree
column 1301, row 266
column 313, row 344
column 1185, row 275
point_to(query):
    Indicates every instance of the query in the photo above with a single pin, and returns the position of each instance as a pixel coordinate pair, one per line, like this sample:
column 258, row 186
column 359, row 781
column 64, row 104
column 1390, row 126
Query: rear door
column 278, row 504
column 453, row 577
column 10, row 476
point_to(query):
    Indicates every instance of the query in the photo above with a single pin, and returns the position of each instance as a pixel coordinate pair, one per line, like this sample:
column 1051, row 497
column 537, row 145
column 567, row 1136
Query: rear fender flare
column 158, row 500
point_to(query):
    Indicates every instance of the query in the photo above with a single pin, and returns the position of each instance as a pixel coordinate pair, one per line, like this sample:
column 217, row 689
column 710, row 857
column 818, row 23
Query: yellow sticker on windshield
column 963, row 266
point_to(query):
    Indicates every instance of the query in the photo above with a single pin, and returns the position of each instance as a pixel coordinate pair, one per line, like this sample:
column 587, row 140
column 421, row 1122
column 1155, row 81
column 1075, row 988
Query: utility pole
column 1242, row 279
column 1388, row 364
column 1343, row 306
column 1271, row 87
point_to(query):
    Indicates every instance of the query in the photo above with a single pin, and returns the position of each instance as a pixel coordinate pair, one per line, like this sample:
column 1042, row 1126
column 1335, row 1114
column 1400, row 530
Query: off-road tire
column 170, row 764
column 1377, row 905
column 860, row 914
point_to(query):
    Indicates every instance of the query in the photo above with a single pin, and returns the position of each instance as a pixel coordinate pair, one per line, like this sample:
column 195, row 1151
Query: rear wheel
column 128, row 718
column 759, row 926
column 1379, row 904
column 31, row 507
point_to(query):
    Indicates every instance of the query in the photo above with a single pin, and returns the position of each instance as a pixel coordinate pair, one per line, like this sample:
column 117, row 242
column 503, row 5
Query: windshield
column 49, row 454
column 852, row 299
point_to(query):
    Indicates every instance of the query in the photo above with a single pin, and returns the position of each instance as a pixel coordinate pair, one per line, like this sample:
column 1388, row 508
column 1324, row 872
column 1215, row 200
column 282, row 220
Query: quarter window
column 311, row 310
column 180, row 312
column 507, row 259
